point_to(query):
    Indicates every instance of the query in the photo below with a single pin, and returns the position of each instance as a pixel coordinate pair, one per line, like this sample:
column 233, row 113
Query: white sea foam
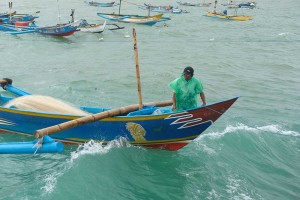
column 273, row 128
column 50, row 181
column 88, row 148
column 283, row 34
column 235, row 188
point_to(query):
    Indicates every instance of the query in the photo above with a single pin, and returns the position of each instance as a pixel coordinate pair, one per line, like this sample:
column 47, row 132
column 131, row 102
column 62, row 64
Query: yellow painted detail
column 136, row 131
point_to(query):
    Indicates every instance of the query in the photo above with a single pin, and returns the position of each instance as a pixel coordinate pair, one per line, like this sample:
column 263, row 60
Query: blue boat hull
column 170, row 131
column 164, row 129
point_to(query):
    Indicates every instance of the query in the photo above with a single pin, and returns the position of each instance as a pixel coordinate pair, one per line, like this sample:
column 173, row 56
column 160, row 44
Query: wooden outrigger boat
column 100, row 4
column 96, row 28
column 152, row 125
column 137, row 19
column 18, row 28
column 163, row 9
column 91, row 28
column 224, row 15
column 167, row 130
column 187, row 3
column 194, row 4
column 58, row 30
column 229, row 17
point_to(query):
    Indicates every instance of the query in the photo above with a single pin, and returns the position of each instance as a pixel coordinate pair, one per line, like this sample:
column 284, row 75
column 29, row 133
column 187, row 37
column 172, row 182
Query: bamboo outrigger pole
column 137, row 67
column 95, row 117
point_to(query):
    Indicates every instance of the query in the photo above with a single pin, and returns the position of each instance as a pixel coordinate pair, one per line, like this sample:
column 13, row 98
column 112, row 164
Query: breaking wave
column 89, row 148
column 273, row 128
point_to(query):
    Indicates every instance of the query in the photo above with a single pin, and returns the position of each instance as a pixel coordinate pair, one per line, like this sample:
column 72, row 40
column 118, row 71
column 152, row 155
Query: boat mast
column 215, row 6
column 137, row 66
column 10, row 10
column 235, row 11
column 149, row 9
column 58, row 12
column 72, row 15
column 120, row 7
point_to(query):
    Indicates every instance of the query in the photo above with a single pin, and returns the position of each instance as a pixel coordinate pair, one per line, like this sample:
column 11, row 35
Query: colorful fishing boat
column 58, row 30
column 100, row 4
column 229, row 17
column 19, row 18
column 188, row 3
column 224, row 15
column 84, row 26
column 18, row 27
column 137, row 19
column 203, row 4
column 152, row 126
column 249, row 5
column 166, row 9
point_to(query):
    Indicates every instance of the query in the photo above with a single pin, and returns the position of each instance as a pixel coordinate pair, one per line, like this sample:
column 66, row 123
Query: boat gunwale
column 115, row 118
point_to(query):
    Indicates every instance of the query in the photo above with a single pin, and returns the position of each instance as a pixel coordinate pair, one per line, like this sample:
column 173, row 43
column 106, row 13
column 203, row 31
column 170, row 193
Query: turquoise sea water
column 252, row 152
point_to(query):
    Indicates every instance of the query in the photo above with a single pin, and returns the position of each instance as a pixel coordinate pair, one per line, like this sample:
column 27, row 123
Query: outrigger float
column 152, row 125
column 44, row 145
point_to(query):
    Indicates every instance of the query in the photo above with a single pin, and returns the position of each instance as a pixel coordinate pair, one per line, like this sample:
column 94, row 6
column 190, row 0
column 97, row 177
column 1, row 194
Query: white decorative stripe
column 186, row 119
column 179, row 121
column 6, row 122
column 188, row 125
column 181, row 115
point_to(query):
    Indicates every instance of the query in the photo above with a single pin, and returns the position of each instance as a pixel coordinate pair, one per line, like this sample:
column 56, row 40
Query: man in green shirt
column 186, row 90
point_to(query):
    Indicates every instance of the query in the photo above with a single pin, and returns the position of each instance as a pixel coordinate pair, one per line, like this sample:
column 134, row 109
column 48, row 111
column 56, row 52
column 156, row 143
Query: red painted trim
column 169, row 146
column 64, row 34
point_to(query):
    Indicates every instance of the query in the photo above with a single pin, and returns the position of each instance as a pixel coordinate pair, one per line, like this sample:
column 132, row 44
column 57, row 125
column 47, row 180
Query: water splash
column 88, row 148
column 50, row 180
column 93, row 147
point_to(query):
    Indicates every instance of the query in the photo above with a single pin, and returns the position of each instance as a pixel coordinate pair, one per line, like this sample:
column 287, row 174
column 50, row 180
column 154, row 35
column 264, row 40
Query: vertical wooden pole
column 120, row 7
column 10, row 10
column 215, row 6
column 137, row 67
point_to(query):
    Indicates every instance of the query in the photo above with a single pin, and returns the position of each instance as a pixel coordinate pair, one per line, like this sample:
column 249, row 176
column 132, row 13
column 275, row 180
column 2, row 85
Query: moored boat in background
column 84, row 26
column 137, row 19
column 225, row 15
column 58, row 30
column 228, row 17
column 100, row 4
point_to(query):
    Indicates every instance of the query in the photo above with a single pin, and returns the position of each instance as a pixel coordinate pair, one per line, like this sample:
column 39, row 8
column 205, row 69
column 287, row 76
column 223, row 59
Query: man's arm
column 174, row 101
column 202, row 96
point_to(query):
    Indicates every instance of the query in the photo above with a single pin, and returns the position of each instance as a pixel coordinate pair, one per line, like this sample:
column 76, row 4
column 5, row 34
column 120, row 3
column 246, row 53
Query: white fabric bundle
column 43, row 104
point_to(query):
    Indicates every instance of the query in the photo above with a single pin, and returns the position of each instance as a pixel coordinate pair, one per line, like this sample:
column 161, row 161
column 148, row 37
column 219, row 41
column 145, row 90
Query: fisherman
column 186, row 90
